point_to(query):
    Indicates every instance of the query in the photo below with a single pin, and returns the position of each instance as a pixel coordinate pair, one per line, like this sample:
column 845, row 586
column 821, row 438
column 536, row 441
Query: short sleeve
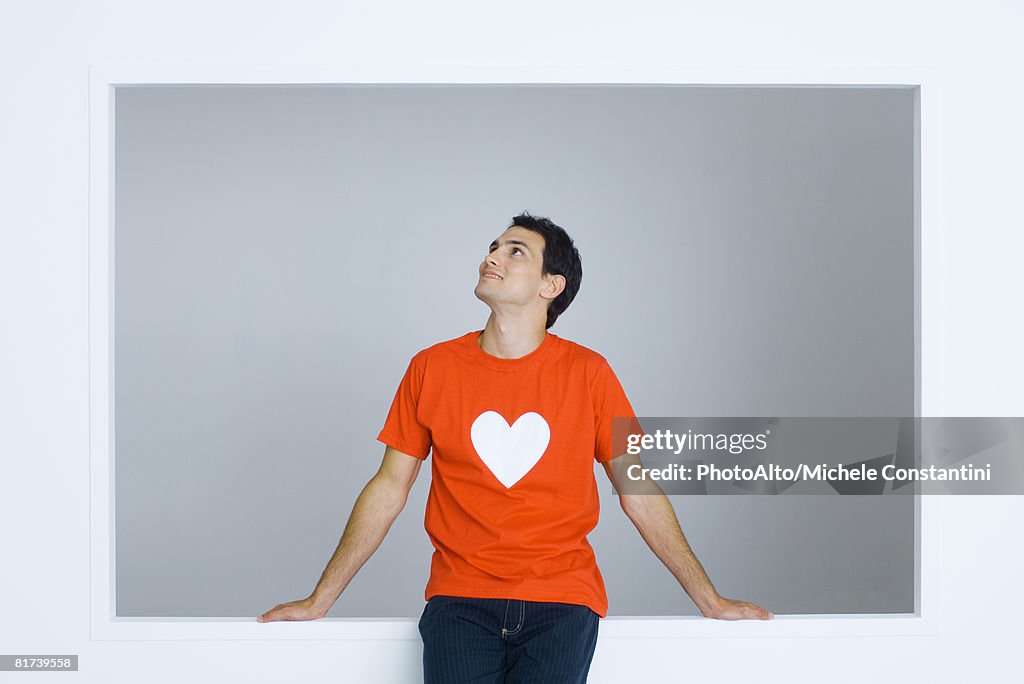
column 610, row 402
column 402, row 429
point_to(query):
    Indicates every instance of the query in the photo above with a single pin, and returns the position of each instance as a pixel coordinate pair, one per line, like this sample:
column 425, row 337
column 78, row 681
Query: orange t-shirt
column 513, row 494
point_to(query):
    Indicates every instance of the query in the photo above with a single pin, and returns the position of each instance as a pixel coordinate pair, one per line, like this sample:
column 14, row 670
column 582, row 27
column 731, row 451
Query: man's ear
column 554, row 285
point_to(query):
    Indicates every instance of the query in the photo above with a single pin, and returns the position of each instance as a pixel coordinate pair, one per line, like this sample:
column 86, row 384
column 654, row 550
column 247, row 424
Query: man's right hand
column 303, row 609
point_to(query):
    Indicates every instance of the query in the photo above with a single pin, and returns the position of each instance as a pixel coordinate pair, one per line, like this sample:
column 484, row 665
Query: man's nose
column 491, row 259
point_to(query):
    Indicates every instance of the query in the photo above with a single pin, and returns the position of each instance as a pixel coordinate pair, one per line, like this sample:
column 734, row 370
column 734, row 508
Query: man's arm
column 380, row 502
column 655, row 519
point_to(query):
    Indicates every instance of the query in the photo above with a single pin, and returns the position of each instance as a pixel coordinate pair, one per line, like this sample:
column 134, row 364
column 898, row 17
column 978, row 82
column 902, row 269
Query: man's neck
column 508, row 338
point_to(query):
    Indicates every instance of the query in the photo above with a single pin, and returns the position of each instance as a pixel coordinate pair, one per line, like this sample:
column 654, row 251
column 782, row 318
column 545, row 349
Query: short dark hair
column 560, row 258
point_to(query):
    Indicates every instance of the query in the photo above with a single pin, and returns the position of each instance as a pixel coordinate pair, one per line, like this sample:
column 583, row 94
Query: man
column 514, row 416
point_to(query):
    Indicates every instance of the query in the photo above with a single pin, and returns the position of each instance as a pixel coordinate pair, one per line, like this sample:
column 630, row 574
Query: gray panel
column 281, row 252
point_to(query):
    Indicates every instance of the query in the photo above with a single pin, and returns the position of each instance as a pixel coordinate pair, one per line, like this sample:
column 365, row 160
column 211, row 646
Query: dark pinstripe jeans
column 501, row 641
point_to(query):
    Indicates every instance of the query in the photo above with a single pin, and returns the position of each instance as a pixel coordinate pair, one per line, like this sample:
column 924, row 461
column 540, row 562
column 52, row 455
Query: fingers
column 744, row 610
column 293, row 610
column 275, row 613
column 756, row 612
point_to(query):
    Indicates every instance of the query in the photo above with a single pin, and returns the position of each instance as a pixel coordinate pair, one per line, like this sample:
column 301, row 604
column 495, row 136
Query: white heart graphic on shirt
column 510, row 451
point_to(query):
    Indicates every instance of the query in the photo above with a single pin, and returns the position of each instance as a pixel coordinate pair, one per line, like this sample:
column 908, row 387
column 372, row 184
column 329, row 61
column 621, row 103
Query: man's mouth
column 492, row 276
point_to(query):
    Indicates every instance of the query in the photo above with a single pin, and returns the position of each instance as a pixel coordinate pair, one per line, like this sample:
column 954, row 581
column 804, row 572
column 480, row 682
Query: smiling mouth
column 491, row 276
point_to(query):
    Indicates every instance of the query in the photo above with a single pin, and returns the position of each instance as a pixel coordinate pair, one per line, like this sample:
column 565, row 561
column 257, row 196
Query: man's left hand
column 730, row 609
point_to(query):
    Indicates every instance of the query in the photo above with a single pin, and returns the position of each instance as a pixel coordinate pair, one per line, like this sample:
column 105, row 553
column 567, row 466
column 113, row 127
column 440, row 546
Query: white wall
column 971, row 286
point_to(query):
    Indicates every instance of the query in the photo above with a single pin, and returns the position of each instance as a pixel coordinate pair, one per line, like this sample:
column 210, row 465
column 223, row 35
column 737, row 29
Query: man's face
column 512, row 271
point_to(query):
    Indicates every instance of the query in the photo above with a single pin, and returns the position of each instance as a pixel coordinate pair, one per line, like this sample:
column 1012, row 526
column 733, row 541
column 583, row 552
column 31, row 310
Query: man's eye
column 516, row 249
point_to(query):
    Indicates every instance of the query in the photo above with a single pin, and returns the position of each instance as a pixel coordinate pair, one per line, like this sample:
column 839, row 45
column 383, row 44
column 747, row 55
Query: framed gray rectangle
column 258, row 257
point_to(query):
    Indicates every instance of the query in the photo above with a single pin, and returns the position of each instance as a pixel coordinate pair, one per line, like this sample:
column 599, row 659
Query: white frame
column 928, row 212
